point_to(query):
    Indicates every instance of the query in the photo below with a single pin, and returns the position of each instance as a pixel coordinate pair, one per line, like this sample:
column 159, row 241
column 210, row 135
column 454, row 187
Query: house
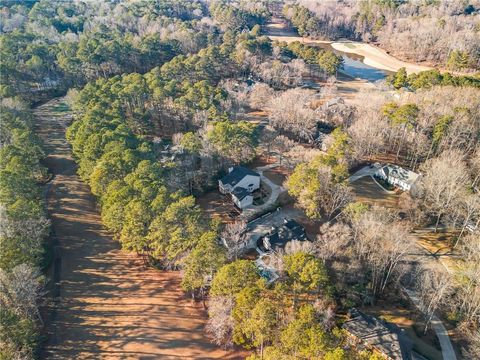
column 240, row 182
column 378, row 335
column 241, row 197
column 279, row 236
column 398, row 176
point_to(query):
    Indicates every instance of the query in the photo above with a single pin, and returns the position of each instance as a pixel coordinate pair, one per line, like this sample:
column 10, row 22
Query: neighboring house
column 279, row 236
column 240, row 182
column 378, row 335
column 398, row 176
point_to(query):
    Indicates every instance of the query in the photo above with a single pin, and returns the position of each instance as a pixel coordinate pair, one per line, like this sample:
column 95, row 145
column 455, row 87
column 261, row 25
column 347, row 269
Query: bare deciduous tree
column 20, row 291
column 444, row 179
column 260, row 96
column 220, row 322
column 291, row 112
column 332, row 240
column 234, row 237
column 434, row 285
column 381, row 243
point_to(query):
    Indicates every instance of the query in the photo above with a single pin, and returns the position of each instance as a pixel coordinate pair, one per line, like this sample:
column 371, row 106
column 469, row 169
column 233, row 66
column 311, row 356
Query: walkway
column 107, row 306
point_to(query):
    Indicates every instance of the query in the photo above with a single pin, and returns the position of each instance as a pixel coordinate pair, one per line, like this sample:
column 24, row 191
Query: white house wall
column 247, row 180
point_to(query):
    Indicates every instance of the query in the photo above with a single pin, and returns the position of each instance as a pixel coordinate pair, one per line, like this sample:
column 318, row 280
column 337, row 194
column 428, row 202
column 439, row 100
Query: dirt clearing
column 107, row 306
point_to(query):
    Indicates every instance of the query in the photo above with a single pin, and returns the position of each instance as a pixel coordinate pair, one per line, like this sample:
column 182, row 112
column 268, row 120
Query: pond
column 354, row 66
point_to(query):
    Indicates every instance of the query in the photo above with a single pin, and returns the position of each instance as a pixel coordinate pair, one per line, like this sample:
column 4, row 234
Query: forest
column 442, row 33
column 162, row 96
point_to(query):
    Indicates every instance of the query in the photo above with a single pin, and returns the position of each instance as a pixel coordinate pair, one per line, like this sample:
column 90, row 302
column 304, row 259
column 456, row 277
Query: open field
column 107, row 305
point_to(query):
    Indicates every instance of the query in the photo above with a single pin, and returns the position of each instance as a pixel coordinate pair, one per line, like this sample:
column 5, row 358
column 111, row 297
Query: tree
column 303, row 337
column 234, row 237
column 260, row 96
column 281, row 145
column 400, row 78
column 444, row 179
column 260, row 327
column 381, row 244
column 176, row 230
column 458, row 60
column 220, row 321
column 305, row 273
column 235, row 141
column 434, row 286
column 201, row 264
column 290, row 111
column 233, row 277
column 313, row 186
column 332, row 240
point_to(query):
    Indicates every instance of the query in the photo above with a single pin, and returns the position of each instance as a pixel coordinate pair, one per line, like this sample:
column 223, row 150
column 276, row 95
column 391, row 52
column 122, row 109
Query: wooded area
column 162, row 96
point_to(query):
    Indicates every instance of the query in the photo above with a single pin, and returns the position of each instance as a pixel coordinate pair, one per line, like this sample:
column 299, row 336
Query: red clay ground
column 108, row 306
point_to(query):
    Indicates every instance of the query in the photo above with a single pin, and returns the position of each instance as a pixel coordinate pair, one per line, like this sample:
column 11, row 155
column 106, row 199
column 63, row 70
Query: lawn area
column 367, row 191
column 438, row 243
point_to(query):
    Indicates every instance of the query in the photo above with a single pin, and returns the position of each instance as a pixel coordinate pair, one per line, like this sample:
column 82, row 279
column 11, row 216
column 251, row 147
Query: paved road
column 437, row 325
column 107, row 305
column 442, row 333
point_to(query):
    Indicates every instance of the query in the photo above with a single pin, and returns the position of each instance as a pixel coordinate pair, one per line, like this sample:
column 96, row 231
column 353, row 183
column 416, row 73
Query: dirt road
column 107, row 305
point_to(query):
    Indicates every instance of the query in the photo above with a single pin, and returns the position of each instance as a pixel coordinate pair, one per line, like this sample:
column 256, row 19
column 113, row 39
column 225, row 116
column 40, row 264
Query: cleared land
column 107, row 305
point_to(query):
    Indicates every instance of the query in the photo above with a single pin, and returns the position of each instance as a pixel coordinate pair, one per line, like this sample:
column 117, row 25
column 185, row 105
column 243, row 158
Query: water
column 357, row 69
column 354, row 66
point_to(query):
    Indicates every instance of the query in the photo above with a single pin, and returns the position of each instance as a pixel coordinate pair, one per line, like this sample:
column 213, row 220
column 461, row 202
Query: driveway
column 365, row 171
column 442, row 333
column 276, row 190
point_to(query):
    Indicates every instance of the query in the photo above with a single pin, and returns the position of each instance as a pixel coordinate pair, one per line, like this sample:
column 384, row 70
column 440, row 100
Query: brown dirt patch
column 277, row 175
column 215, row 204
column 106, row 305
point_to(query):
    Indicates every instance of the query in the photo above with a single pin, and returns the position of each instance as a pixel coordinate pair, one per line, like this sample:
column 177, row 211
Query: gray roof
column 397, row 172
column 290, row 230
column 240, row 193
column 385, row 337
column 236, row 175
